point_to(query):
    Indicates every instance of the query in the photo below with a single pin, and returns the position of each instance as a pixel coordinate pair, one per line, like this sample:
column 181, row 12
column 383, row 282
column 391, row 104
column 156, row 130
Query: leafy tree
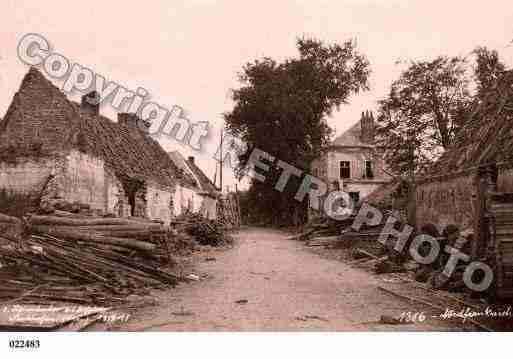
column 488, row 69
column 281, row 108
column 422, row 113
column 426, row 107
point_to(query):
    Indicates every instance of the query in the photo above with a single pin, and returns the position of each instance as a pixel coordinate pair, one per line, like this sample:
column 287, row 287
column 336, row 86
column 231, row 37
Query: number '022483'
column 24, row 344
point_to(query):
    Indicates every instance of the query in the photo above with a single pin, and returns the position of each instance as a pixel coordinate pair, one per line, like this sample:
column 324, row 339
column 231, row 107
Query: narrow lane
column 286, row 288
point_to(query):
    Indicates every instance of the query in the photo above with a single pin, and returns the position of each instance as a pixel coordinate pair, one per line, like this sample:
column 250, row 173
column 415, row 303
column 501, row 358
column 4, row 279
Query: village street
column 287, row 288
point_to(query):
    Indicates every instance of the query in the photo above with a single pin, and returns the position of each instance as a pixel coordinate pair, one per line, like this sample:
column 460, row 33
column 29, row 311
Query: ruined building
column 203, row 195
column 64, row 151
column 471, row 185
column 449, row 194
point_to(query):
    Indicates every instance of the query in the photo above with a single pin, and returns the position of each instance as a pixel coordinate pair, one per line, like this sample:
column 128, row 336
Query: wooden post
column 484, row 184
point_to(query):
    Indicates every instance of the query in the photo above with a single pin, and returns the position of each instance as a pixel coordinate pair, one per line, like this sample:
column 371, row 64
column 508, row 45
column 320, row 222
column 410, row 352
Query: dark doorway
column 355, row 196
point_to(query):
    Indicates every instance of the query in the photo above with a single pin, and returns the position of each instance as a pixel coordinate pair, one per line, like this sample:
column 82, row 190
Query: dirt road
column 286, row 288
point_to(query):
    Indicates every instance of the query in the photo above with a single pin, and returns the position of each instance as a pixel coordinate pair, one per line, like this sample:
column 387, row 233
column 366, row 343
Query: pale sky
column 188, row 53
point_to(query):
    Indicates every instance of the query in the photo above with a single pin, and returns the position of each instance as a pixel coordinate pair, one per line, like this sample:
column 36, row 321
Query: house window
column 368, row 170
column 345, row 169
column 316, row 172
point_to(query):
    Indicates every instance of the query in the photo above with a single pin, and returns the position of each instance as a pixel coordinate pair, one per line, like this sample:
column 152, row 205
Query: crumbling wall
column 446, row 201
column 82, row 180
column 186, row 200
column 505, row 180
column 116, row 201
column 140, row 206
column 208, row 207
column 159, row 203
column 26, row 176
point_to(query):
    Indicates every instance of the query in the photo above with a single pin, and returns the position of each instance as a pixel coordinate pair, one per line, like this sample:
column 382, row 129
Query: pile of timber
column 11, row 228
column 326, row 231
column 86, row 260
column 204, row 231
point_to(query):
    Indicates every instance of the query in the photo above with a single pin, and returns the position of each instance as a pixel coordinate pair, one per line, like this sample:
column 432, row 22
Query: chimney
column 191, row 159
column 91, row 103
column 132, row 121
column 367, row 125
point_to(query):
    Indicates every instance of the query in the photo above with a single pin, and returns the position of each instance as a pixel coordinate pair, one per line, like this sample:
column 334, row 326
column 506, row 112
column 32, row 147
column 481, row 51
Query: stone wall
column 505, row 180
column 208, row 207
column 186, row 200
column 450, row 200
column 83, row 180
column 446, row 201
column 26, row 176
column 77, row 177
column 72, row 177
column 159, row 203
column 116, row 201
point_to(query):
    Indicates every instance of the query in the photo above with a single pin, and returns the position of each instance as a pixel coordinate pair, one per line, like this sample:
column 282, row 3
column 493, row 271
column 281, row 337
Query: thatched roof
column 205, row 182
column 41, row 114
column 487, row 136
column 189, row 165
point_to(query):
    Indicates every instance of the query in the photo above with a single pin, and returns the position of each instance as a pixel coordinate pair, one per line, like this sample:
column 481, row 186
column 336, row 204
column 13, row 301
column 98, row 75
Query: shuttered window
column 345, row 169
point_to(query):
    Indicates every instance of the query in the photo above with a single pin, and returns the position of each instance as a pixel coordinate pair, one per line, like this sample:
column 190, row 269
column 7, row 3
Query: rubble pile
column 204, row 231
column 89, row 260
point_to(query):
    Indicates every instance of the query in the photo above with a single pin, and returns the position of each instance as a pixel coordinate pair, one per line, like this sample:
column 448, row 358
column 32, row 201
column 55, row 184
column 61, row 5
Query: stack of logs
column 88, row 260
column 11, row 228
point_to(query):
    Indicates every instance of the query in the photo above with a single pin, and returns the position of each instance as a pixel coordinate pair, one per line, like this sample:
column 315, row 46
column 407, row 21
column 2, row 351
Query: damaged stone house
column 352, row 163
column 448, row 194
column 204, row 196
column 60, row 150
column 471, row 185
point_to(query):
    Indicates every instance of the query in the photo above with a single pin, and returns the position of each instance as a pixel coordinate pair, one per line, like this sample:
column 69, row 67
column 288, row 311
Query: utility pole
column 215, row 176
column 412, row 192
column 221, row 162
